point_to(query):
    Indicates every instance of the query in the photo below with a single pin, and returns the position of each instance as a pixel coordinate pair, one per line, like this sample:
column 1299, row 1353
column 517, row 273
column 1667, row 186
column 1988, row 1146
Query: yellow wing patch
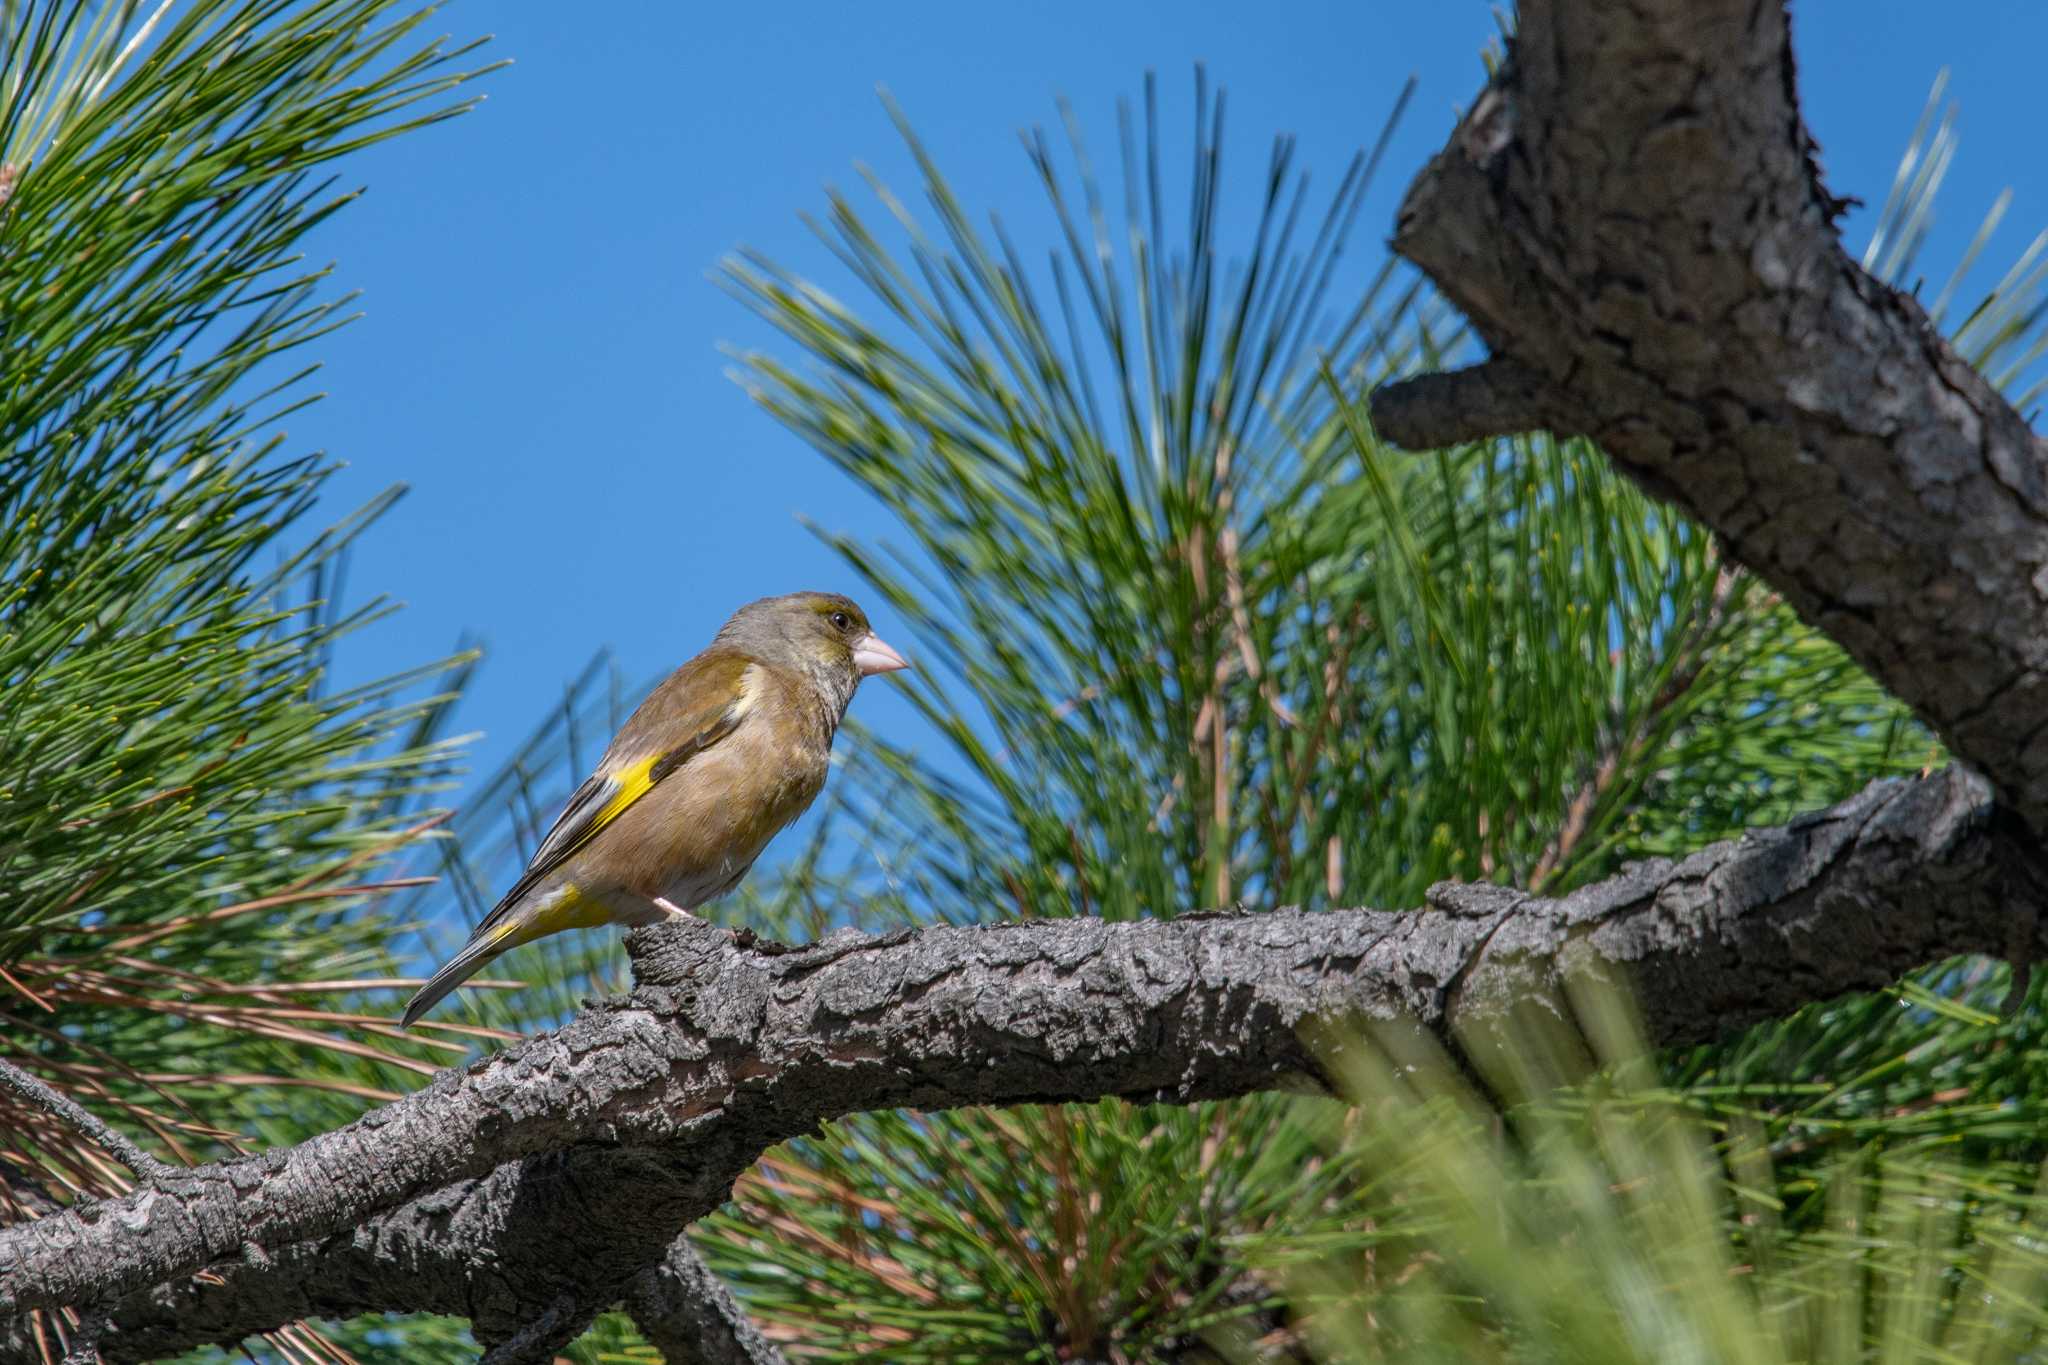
column 634, row 781
column 603, row 798
column 637, row 779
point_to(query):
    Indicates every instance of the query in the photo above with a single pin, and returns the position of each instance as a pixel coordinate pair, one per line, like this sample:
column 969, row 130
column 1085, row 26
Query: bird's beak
column 871, row 656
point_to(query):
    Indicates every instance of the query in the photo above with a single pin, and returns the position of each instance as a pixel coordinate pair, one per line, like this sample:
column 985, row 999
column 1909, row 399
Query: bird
column 728, row 750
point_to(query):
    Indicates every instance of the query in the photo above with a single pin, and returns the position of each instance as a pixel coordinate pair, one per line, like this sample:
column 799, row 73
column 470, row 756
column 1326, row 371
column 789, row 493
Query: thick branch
column 573, row 1231
column 1631, row 212
column 568, row 1231
column 724, row 1052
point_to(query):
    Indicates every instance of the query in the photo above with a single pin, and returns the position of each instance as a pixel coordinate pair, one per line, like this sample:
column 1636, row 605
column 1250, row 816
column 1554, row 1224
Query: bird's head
column 819, row 633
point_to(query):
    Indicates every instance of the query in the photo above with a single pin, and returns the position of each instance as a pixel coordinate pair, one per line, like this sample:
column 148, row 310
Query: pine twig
column 46, row 1097
column 538, row 1341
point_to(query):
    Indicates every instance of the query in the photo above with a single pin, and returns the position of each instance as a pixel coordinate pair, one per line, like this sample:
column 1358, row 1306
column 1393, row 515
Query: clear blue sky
column 539, row 359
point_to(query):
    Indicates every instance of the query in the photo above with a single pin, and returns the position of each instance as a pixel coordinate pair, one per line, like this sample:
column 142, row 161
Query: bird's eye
column 842, row 620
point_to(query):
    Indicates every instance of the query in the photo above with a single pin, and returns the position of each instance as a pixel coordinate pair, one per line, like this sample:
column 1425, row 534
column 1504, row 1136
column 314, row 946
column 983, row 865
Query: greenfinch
column 728, row 750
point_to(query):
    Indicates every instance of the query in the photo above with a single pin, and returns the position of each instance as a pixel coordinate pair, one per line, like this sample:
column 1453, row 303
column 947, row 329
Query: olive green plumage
column 730, row 748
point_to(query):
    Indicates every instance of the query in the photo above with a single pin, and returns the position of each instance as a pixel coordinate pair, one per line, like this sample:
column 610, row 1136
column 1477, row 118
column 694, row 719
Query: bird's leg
column 676, row 914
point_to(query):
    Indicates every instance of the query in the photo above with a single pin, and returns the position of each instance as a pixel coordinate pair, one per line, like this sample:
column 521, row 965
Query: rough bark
column 46, row 1097
column 690, row 1316
column 563, row 1234
column 553, row 1173
column 1632, row 217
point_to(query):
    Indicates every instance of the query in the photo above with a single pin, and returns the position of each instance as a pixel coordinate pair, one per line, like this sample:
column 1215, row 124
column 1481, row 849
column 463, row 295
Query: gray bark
column 691, row 1317
column 26, row 1087
column 1632, row 217
column 546, row 1178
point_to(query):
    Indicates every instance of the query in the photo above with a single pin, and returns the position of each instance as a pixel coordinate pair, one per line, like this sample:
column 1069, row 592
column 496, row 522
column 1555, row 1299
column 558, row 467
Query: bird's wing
column 697, row 706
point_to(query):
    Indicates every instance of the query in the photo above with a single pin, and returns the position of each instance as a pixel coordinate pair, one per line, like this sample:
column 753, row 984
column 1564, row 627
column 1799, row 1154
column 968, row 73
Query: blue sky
column 540, row 358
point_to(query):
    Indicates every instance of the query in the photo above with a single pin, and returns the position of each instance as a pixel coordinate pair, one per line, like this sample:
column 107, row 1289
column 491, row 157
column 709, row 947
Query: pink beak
column 871, row 656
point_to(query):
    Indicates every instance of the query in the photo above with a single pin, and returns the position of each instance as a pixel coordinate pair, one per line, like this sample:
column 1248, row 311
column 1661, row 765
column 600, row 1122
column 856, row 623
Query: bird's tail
column 489, row 941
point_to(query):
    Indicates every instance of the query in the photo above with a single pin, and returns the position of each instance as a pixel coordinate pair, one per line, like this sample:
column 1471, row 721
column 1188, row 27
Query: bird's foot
column 672, row 910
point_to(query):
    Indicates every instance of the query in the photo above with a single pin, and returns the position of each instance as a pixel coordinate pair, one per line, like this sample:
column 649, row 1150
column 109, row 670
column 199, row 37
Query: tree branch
column 689, row 1315
column 573, row 1229
column 54, row 1101
column 536, row 1342
column 1451, row 407
column 515, row 1181
column 1631, row 213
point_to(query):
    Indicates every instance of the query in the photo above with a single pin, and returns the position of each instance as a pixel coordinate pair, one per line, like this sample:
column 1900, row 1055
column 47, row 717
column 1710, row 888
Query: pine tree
column 198, row 829
column 1195, row 638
